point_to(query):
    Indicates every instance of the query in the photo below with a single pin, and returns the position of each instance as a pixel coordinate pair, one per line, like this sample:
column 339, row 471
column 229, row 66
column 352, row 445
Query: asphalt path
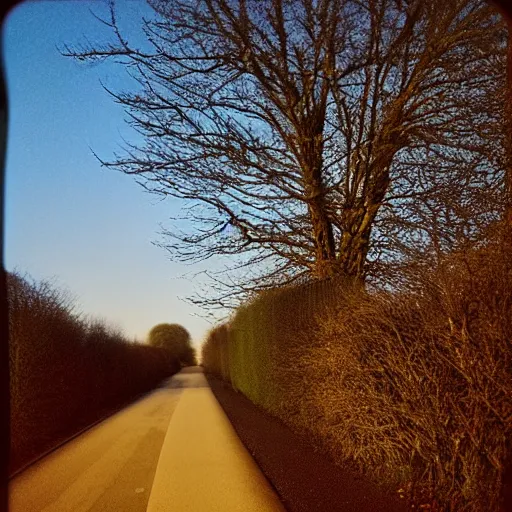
column 172, row 450
column 110, row 467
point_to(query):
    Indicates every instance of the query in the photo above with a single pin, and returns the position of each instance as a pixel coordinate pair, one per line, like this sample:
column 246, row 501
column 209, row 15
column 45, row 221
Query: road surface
column 173, row 449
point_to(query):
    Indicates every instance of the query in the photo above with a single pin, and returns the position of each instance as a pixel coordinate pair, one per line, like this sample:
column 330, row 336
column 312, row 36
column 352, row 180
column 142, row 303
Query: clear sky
column 66, row 218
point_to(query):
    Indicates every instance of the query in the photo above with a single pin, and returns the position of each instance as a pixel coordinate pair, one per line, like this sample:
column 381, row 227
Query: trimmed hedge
column 66, row 372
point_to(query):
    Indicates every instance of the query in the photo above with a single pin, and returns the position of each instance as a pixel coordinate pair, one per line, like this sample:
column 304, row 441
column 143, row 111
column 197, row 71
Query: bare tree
column 314, row 137
column 507, row 125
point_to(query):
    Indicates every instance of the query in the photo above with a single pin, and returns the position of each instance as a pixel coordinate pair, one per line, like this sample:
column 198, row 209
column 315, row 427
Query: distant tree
column 175, row 339
column 315, row 138
column 60, row 360
column 189, row 356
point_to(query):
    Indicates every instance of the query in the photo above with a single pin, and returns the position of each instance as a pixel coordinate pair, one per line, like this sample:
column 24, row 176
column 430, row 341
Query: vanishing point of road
column 171, row 450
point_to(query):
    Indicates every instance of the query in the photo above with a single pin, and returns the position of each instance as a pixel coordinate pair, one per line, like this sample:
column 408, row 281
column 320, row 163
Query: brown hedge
column 67, row 372
column 413, row 386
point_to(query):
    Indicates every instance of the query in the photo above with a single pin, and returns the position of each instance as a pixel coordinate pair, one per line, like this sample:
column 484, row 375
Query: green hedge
column 253, row 350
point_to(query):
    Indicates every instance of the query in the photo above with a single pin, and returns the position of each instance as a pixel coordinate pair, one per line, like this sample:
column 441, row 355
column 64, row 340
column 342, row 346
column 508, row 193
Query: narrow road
column 110, row 467
column 172, row 450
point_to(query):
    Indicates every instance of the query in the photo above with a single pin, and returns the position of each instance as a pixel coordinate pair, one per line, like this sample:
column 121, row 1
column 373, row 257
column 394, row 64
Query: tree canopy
column 315, row 138
column 175, row 339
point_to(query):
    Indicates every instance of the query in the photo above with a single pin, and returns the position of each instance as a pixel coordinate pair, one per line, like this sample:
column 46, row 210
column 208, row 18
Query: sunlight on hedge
column 413, row 387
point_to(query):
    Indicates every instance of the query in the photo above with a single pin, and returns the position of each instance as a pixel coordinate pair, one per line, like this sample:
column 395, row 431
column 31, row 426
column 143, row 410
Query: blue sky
column 66, row 218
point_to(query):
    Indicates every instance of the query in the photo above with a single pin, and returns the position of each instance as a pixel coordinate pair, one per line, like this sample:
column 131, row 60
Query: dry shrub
column 412, row 387
column 417, row 387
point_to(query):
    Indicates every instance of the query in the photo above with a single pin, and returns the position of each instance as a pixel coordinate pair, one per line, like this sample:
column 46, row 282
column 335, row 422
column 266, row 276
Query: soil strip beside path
column 305, row 480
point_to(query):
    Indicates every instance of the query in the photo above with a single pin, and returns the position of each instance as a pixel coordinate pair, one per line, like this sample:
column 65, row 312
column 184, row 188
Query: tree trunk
column 508, row 144
column 311, row 145
column 325, row 254
column 355, row 243
column 359, row 220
